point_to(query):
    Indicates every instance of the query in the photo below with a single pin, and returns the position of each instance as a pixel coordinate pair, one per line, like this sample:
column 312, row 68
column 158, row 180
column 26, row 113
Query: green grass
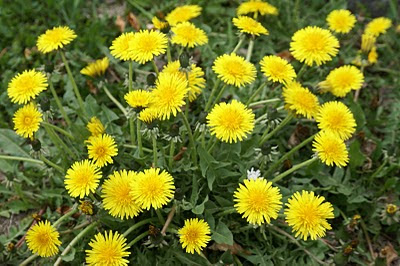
column 364, row 187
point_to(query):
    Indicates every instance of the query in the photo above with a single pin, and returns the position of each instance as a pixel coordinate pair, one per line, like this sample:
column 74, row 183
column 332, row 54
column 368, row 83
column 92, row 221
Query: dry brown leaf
column 92, row 87
column 133, row 21
column 234, row 249
column 120, row 23
column 180, row 154
column 285, row 54
column 389, row 253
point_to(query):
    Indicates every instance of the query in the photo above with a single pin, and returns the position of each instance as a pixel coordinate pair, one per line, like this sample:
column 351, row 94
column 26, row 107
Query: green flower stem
column 74, row 241
column 288, row 154
column 29, row 260
column 24, row 159
column 171, row 155
column 141, row 9
column 203, row 139
column 301, row 71
column 58, row 102
column 55, row 166
column 130, row 74
column 82, row 225
column 294, row 240
column 169, row 57
column 139, row 137
column 132, row 129
column 219, row 94
column 256, row 92
column 250, row 50
column 294, row 168
column 154, row 150
column 137, row 225
column 191, row 140
column 238, row 44
column 138, row 238
column 56, row 128
column 68, row 214
column 74, row 86
column 136, row 147
column 159, row 216
column 273, row 100
column 279, row 127
column 57, row 141
column 155, row 66
column 195, row 185
column 115, row 101
column 226, row 212
column 213, row 91
column 211, row 144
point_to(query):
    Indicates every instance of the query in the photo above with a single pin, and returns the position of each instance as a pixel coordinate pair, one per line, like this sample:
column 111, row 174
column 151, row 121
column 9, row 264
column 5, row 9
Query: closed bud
column 36, row 145
column 184, row 60
column 151, row 79
column 49, row 67
column 45, row 104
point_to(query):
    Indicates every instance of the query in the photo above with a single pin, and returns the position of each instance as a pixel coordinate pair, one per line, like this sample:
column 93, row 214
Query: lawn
column 213, row 135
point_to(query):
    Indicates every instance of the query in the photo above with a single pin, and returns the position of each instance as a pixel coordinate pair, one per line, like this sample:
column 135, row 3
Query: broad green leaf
column 10, row 143
column 222, row 234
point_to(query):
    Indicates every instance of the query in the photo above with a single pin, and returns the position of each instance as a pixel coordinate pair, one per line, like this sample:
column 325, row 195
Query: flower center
column 27, row 120
column 101, row 151
column 258, row 201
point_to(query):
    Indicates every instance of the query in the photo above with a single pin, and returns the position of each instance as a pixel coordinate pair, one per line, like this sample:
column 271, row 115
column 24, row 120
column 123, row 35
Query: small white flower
column 253, row 175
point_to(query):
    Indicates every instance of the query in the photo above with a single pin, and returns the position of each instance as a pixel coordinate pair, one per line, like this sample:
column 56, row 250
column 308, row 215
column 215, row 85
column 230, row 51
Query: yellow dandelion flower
column 121, row 47
column 158, row 24
column 108, row 249
column 367, row 42
column 257, row 6
column 169, row 95
column 27, row 120
column 234, row 70
column 250, row 26
column 195, row 77
column 307, row 214
column 194, row 235
column 231, row 122
column 300, row 100
column 314, row 45
column 55, row 38
column 378, row 26
column 337, row 118
column 95, row 126
column 182, row 14
column 330, row 149
column 153, row 188
column 42, row 239
column 148, row 115
column 82, row 179
column 26, row 86
column 341, row 20
column 188, row 35
column 398, row 28
column 96, row 68
column 101, row 149
column 277, row 69
column 258, row 201
column 146, row 44
column 138, row 98
column 116, row 194
column 391, row 209
column 373, row 56
column 342, row 80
